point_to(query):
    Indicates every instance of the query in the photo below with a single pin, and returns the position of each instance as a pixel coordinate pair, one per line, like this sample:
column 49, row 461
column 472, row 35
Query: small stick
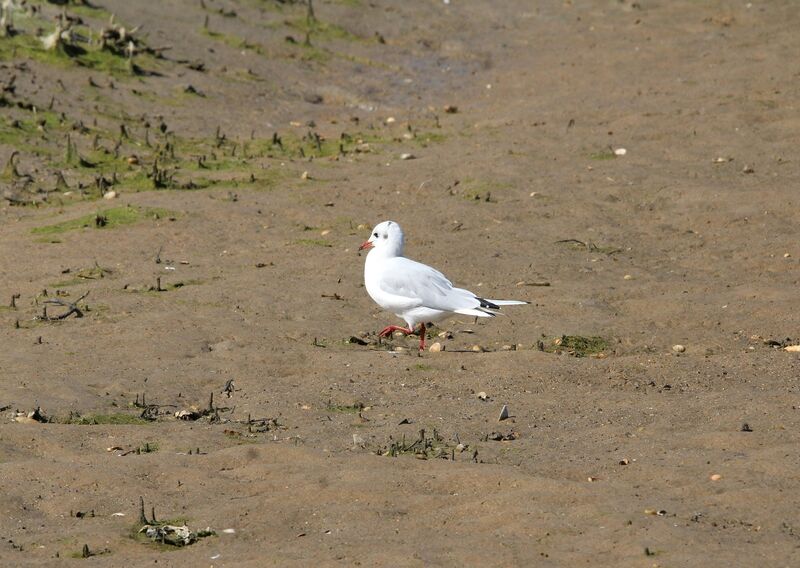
column 142, row 517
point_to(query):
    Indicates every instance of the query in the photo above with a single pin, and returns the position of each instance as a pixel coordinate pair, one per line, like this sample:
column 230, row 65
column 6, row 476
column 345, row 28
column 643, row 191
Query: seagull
column 415, row 292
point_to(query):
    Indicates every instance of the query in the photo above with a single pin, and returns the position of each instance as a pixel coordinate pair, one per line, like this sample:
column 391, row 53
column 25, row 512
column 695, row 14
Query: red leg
column 387, row 331
column 422, row 337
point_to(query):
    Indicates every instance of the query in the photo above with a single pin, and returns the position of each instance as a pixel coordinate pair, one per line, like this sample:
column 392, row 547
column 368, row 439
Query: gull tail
column 505, row 302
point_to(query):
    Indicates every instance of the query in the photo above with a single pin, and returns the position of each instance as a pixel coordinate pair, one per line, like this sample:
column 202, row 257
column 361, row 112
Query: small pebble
column 477, row 349
column 792, row 348
column 503, row 413
column 620, row 152
column 715, row 477
column 407, row 156
column 627, row 277
column 109, row 195
column 435, row 348
column 678, row 348
column 305, row 175
column 133, row 160
column 482, row 395
column 787, row 255
column 390, row 120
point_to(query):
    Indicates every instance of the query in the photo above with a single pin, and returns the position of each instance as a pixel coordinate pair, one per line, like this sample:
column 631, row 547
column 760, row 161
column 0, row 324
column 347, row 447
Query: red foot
column 387, row 331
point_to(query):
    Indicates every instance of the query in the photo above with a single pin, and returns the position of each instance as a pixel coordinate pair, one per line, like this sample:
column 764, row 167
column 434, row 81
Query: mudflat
column 184, row 323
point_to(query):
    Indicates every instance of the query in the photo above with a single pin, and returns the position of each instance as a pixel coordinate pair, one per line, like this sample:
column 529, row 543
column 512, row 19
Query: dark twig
column 73, row 308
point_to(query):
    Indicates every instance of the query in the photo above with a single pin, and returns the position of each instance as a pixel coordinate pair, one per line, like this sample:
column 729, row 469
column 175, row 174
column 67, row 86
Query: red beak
column 366, row 245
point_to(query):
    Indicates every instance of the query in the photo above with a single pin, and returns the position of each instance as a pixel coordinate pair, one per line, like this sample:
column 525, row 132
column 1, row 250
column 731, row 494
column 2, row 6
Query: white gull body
column 415, row 292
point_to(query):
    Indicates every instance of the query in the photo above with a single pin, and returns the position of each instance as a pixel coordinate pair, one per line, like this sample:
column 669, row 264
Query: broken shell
column 678, row 348
column 435, row 348
column 503, row 413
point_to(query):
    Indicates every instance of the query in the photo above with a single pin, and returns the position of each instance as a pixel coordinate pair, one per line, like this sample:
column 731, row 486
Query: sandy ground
column 636, row 455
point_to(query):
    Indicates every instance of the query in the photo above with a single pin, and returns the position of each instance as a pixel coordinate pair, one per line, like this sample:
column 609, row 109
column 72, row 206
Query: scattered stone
column 679, row 348
column 746, row 427
column 624, row 461
column 407, row 156
column 33, row 417
column 110, row 195
column 627, row 277
column 500, row 437
column 173, row 534
column 435, row 347
column 477, row 349
column 715, row 477
column 390, row 120
column 503, row 413
column 620, row 152
column 483, row 396
column 305, row 175
column 748, row 170
column 450, row 109
column 792, row 348
column 189, row 415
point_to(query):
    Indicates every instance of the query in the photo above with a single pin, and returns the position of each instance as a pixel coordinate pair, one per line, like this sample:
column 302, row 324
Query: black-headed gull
column 414, row 291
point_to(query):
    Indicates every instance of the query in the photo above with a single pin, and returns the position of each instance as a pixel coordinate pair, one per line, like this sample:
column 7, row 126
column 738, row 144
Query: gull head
column 386, row 237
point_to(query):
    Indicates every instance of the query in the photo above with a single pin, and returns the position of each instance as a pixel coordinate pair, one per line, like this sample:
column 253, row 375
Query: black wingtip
column 487, row 304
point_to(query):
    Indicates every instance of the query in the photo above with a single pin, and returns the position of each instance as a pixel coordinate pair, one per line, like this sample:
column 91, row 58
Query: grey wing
column 427, row 285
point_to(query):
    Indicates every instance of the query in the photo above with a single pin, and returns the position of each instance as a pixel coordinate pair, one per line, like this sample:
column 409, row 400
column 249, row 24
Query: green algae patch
column 105, row 219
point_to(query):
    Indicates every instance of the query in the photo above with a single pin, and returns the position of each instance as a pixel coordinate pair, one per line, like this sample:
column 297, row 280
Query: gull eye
column 375, row 235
